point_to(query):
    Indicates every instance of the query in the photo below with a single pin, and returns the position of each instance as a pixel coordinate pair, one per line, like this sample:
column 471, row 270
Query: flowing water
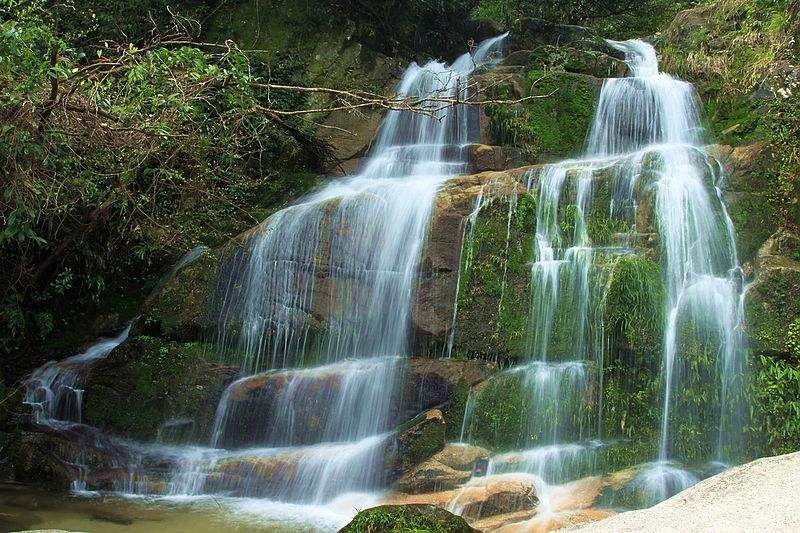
column 646, row 126
column 315, row 308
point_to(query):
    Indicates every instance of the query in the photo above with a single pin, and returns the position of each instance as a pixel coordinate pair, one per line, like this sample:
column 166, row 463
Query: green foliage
column 159, row 147
column 777, row 404
column 793, row 340
column 733, row 53
column 630, row 400
column 619, row 19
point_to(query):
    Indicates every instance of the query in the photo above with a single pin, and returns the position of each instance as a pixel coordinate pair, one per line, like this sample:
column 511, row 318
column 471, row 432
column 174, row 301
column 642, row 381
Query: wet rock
column 433, row 310
column 107, row 325
column 399, row 518
column 483, row 157
column 37, row 459
column 179, row 311
column 448, row 469
column 416, row 442
column 433, row 382
column 350, row 133
column 148, row 380
column 496, row 495
column 529, row 32
column 432, row 476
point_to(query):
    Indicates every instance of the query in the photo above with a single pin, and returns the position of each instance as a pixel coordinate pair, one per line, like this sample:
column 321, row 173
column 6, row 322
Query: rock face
column 148, row 381
column 499, row 494
column 747, row 196
column 773, row 300
column 443, row 254
column 528, row 32
column 416, row 441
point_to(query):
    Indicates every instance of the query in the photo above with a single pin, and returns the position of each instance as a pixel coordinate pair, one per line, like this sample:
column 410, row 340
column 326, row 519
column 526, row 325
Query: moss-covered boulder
column 568, row 59
column 415, row 442
column 36, row 458
column 401, row 518
column 448, row 247
column 147, row 382
column 179, row 311
column 772, row 302
column 551, row 126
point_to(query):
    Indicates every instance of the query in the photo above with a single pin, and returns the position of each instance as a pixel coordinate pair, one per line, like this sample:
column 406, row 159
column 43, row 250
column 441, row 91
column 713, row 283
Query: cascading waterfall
column 317, row 304
column 646, row 127
column 331, row 280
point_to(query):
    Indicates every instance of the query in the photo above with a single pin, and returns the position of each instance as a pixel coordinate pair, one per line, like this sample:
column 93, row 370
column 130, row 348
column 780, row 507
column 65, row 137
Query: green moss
column 454, row 412
column 407, row 518
column 772, row 305
column 500, row 414
column 180, row 310
column 551, row 127
column 568, row 59
column 492, row 313
column 633, row 304
column 147, row 381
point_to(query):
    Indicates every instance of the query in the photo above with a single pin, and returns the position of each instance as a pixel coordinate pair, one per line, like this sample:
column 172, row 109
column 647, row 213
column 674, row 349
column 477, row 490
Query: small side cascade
column 55, row 396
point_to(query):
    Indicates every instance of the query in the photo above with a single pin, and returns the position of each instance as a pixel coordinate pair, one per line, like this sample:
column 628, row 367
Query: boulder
column 164, row 380
column 433, row 382
column 526, row 33
column 433, row 310
column 432, row 476
column 349, row 133
column 401, row 518
column 446, row 470
column 416, row 442
column 496, row 495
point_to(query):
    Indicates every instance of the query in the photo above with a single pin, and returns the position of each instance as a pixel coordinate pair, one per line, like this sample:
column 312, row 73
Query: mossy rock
column 147, row 381
column 633, row 304
column 772, row 301
column 402, row 518
column 417, row 441
column 35, row 459
column 494, row 289
column 500, row 414
column 179, row 311
column 527, row 33
column 551, row 127
column 570, row 59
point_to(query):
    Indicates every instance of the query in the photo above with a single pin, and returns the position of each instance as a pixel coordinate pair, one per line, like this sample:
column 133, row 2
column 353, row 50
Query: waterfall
column 317, row 309
column 647, row 134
